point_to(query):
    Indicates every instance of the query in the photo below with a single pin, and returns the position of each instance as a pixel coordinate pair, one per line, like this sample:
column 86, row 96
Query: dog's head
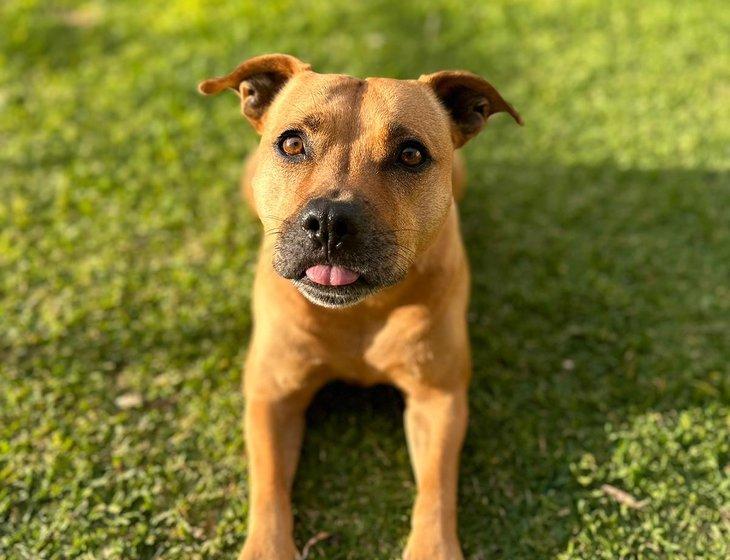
column 353, row 176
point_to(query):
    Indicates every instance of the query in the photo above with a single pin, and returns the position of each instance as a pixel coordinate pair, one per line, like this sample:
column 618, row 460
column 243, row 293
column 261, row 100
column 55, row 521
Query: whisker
column 272, row 217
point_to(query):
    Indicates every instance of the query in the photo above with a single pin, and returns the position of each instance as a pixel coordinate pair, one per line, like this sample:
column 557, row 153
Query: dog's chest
column 375, row 351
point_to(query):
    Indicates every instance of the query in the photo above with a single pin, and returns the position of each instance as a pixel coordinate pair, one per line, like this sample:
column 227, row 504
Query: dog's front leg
column 435, row 422
column 274, row 430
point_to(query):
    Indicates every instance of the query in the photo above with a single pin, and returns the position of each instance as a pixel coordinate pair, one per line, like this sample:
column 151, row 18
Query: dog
column 362, row 274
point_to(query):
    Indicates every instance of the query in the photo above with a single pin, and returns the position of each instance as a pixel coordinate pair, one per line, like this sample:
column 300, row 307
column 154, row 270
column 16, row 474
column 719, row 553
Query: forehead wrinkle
column 395, row 131
column 313, row 122
column 354, row 128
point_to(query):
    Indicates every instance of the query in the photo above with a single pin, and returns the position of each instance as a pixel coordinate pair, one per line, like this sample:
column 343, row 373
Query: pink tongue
column 327, row 275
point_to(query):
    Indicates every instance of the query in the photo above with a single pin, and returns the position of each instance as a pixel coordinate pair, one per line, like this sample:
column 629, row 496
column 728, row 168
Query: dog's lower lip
column 333, row 296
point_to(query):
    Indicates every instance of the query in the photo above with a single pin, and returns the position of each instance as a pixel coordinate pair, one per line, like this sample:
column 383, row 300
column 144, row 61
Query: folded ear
column 256, row 81
column 469, row 100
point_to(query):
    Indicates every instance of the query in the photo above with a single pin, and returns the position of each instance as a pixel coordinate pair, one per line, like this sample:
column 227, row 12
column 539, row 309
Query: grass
column 599, row 236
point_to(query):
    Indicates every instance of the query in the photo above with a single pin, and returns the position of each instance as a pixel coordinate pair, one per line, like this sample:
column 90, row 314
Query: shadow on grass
column 587, row 309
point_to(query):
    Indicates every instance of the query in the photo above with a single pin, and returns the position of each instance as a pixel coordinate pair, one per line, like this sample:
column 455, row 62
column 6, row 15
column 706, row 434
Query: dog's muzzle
column 336, row 252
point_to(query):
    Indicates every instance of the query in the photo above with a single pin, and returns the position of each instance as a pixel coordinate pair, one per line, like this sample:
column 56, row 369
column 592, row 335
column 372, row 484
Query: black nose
column 329, row 223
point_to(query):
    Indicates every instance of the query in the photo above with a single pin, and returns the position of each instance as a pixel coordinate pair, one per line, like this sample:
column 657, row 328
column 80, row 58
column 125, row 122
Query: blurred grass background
column 599, row 236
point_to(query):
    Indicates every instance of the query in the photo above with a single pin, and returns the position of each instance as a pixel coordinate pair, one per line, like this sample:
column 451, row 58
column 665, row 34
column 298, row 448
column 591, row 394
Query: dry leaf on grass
column 623, row 497
column 128, row 400
column 311, row 543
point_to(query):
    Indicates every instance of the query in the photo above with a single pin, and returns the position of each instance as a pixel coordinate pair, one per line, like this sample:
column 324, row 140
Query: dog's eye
column 412, row 154
column 292, row 145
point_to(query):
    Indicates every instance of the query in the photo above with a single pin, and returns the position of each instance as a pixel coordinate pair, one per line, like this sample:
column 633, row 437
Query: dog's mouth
column 332, row 285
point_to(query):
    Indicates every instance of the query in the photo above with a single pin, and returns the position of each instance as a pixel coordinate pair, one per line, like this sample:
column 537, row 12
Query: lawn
column 599, row 236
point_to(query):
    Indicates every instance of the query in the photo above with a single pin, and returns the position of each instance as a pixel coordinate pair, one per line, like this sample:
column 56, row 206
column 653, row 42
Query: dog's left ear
column 469, row 100
column 256, row 81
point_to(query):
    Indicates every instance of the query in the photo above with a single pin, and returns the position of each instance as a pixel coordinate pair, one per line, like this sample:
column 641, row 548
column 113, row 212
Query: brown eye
column 293, row 146
column 411, row 156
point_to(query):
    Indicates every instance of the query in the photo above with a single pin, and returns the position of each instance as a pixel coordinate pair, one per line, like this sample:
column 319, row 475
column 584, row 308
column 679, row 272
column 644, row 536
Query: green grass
column 599, row 236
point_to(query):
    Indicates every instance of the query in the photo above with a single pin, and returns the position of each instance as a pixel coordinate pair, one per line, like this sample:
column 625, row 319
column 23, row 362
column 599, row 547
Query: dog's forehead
column 310, row 92
column 408, row 101
column 373, row 103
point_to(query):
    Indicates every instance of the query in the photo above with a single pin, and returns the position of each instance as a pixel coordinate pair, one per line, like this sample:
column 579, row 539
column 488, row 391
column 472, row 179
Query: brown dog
column 362, row 274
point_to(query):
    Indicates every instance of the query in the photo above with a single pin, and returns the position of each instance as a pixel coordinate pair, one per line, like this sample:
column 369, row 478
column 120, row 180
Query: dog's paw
column 268, row 549
column 431, row 547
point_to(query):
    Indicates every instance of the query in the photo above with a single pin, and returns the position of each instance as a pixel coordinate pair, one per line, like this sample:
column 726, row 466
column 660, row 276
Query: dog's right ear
column 256, row 81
